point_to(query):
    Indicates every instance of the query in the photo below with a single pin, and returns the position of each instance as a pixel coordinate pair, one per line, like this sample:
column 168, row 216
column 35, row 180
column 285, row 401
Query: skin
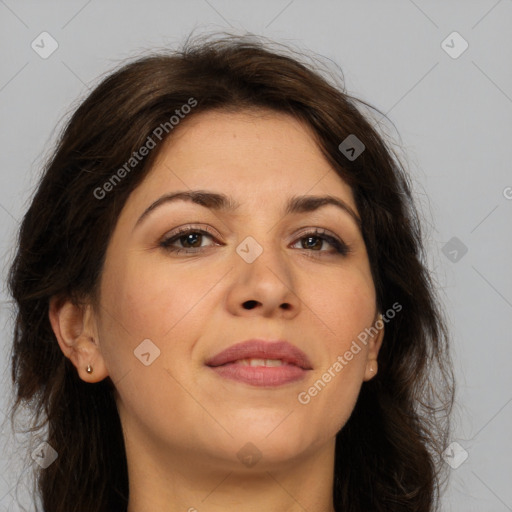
column 183, row 424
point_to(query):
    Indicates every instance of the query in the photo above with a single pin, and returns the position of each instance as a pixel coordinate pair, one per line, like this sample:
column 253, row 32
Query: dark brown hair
column 388, row 455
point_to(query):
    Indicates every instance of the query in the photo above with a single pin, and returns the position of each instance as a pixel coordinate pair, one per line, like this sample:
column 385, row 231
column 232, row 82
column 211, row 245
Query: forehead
column 253, row 155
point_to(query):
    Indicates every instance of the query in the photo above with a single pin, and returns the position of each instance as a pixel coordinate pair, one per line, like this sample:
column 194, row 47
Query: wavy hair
column 389, row 453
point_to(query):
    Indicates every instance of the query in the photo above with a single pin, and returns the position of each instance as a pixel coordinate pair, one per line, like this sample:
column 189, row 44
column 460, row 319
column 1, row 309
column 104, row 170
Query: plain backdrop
column 452, row 110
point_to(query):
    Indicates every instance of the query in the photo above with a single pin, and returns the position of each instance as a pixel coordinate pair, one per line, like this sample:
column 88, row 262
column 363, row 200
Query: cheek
column 151, row 301
column 164, row 305
column 160, row 303
column 345, row 309
column 344, row 305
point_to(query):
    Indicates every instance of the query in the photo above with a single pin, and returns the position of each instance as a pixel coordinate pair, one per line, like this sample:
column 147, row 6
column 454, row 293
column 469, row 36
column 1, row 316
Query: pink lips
column 295, row 363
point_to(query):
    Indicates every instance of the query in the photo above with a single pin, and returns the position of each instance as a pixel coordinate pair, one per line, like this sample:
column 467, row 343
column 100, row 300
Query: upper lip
column 261, row 349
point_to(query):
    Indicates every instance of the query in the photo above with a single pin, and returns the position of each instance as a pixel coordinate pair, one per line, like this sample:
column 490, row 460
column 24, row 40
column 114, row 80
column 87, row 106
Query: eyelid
column 190, row 227
column 312, row 230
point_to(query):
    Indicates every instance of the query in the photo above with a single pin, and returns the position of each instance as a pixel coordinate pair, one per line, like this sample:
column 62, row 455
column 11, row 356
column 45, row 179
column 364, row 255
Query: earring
column 89, row 368
column 373, row 366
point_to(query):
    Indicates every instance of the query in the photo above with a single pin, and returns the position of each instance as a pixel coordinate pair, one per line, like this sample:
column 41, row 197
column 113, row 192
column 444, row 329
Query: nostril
column 250, row 304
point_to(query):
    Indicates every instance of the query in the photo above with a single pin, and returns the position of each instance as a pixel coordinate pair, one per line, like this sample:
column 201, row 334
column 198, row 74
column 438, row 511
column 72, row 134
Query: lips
column 261, row 363
column 260, row 349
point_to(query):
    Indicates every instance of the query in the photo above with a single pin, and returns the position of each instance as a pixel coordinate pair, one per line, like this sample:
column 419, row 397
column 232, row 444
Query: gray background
column 453, row 117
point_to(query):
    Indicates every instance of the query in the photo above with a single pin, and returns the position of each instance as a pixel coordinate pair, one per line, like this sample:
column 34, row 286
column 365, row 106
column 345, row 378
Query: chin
column 277, row 441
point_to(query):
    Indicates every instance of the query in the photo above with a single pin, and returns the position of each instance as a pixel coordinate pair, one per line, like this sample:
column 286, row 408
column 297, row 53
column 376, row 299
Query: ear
column 76, row 332
column 374, row 344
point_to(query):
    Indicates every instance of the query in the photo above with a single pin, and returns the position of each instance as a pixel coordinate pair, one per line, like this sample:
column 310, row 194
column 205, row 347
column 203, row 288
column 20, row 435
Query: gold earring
column 89, row 368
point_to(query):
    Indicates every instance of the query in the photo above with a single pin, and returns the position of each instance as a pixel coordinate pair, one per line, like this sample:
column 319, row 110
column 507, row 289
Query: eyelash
column 340, row 247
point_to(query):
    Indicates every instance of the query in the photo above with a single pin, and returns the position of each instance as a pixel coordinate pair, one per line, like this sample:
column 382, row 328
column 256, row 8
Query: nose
column 264, row 287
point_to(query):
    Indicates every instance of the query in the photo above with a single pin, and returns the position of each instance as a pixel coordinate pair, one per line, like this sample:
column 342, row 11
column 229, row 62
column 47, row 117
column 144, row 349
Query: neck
column 160, row 483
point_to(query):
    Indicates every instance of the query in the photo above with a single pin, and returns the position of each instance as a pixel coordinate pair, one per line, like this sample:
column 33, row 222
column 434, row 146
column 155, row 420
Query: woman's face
column 259, row 272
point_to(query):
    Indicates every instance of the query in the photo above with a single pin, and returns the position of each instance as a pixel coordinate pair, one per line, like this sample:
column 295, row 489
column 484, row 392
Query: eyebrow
column 223, row 203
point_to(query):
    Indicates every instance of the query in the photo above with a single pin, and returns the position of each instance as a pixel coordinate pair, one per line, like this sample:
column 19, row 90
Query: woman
column 222, row 298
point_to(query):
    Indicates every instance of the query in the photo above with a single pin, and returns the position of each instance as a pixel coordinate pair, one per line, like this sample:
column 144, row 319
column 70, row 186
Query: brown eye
column 190, row 240
column 313, row 242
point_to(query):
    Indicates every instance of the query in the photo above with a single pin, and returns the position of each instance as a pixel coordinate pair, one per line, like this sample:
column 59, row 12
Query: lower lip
column 261, row 375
